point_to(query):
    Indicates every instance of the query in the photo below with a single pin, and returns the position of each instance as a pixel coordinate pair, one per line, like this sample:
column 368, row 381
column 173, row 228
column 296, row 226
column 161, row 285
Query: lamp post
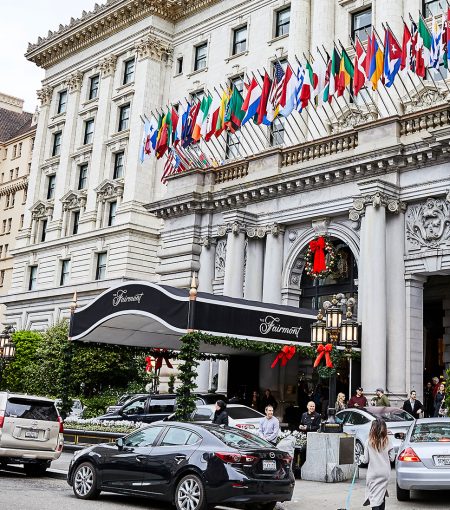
column 7, row 347
column 336, row 331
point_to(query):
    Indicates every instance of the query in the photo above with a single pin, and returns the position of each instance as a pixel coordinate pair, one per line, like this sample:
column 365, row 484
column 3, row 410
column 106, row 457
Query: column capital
column 45, row 95
column 74, row 81
column 235, row 227
column 415, row 280
column 154, row 48
column 275, row 229
column 376, row 200
column 207, row 241
column 107, row 65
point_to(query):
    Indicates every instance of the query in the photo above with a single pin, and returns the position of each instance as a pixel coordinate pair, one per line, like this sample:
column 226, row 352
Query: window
column 8, row 230
column 93, row 86
column 203, row 415
column 179, row 68
column 82, row 176
column 43, row 230
column 32, row 280
column 16, row 173
column 198, row 95
column 51, row 187
column 2, row 277
column 88, row 131
column 431, row 7
column 75, row 222
column 6, row 201
column 2, row 177
column 145, row 437
column 62, row 101
column 20, row 149
column 6, row 249
column 179, row 437
column 25, row 194
column 128, row 71
column 64, row 278
column 232, row 150
column 29, row 168
column 361, row 23
column 100, row 270
column 277, row 132
column 4, row 226
column 11, row 175
column 32, row 143
column 239, row 40
column 21, row 221
column 14, row 151
column 124, row 117
column 112, row 213
column 200, row 56
column 118, row 165
column 13, row 199
column 282, row 22
column 56, row 149
column 238, row 82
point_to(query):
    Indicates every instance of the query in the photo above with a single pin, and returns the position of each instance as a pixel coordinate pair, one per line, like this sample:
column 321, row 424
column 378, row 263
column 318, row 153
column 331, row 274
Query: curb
column 58, row 474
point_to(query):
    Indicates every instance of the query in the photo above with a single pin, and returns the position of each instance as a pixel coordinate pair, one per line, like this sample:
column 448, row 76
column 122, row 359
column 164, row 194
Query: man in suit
column 412, row 405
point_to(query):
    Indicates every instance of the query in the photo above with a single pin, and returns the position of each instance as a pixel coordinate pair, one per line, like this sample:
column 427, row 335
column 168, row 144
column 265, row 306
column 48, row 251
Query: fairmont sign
column 121, row 297
column 271, row 324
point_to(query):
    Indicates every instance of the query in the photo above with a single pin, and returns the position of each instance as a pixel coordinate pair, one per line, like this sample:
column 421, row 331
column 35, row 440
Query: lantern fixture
column 318, row 331
column 349, row 331
column 7, row 347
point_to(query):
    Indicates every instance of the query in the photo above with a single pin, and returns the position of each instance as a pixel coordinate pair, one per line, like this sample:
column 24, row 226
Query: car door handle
column 180, row 458
column 140, row 458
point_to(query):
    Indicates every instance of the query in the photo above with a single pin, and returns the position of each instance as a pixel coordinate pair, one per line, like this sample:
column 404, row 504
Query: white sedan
column 357, row 422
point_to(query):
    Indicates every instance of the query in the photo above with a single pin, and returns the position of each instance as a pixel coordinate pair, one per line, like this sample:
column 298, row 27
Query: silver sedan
column 423, row 462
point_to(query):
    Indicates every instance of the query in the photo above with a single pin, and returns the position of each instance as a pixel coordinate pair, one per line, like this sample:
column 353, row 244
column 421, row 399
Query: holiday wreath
column 320, row 258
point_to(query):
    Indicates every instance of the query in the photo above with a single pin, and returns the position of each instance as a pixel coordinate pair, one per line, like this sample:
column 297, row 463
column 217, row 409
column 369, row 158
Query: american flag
column 273, row 104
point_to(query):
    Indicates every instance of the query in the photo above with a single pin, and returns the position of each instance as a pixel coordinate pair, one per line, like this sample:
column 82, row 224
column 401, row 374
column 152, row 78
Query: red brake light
column 61, row 425
column 235, row 458
column 2, row 420
column 408, row 455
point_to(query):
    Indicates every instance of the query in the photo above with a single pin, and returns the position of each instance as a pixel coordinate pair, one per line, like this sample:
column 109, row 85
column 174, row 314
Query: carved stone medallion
column 221, row 254
column 428, row 225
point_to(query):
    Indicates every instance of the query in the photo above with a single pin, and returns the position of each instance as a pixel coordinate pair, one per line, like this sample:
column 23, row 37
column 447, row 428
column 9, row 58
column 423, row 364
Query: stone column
column 255, row 264
column 414, row 333
column 392, row 12
column 222, row 380
column 273, row 264
column 300, row 29
column 202, row 381
column 374, row 328
column 322, row 25
column 446, row 324
column 234, row 263
column 207, row 259
column 396, row 300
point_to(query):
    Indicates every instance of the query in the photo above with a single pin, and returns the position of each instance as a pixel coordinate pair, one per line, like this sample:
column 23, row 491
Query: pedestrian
column 428, row 400
column 358, row 400
column 310, row 421
column 439, row 401
column 220, row 415
column 435, row 381
column 268, row 400
column 413, row 406
column 381, row 399
column 255, row 400
column 378, row 454
column 340, row 402
column 269, row 427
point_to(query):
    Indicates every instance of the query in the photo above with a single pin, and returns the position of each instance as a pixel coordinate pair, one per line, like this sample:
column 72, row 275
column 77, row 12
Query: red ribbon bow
column 162, row 355
column 148, row 364
column 318, row 249
column 286, row 353
column 324, row 350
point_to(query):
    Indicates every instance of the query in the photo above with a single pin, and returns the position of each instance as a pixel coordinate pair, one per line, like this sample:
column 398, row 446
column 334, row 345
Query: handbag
column 443, row 411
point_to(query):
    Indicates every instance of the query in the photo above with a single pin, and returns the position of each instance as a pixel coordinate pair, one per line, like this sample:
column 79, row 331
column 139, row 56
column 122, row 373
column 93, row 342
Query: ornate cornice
column 154, row 48
column 19, row 184
column 45, row 95
column 102, row 22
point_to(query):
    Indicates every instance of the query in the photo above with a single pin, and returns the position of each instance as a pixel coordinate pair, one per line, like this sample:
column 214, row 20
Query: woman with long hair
column 378, row 454
column 340, row 402
column 439, row 399
column 220, row 414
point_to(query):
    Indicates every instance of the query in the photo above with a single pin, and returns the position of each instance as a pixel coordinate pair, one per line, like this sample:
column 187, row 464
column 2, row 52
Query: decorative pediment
column 428, row 224
column 42, row 209
column 74, row 200
column 109, row 189
column 425, row 96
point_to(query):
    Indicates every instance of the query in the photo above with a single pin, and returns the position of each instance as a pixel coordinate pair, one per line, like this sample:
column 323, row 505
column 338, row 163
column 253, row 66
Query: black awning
column 144, row 314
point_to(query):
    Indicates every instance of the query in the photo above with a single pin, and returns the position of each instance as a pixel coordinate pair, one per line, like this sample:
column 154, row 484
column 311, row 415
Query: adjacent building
column 371, row 174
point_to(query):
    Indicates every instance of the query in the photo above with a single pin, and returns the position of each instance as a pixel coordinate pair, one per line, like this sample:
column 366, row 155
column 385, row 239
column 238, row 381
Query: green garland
column 189, row 353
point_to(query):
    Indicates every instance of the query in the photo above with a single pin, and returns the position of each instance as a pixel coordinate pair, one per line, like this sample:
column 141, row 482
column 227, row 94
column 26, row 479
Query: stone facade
column 372, row 176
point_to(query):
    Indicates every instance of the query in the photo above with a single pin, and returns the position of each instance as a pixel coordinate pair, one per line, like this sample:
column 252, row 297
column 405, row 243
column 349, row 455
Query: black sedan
column 191, row 465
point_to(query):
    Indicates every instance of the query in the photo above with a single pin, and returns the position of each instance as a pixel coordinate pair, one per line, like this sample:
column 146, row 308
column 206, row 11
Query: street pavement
column 51, row 492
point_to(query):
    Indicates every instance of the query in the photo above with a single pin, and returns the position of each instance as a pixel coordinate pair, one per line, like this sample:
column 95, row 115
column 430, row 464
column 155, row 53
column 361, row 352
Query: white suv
column 31, row 432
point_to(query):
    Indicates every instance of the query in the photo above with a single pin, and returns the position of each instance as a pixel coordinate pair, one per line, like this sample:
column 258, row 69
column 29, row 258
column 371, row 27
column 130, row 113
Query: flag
column 422, row 48
column 273, row 103
column 374, row 61
column 392, row 57
column 288, row 101
column 346, row 73
column 175, row 120
column 211, row 120
column 221, row 114
column 445, row 39
column 178, row 129
column 326, row 89
column 201, row 118
column 251, row 101
column 262, row 107
column 234, row 113
column 309, row 84
column 334, row 74
column 406, row 61
column 320, row 70
column 300, row 80
column 146, row 147
column 168, row 166
column 436, row 44
column 204, row 125
column 359, row 76
column 188, row 127
column 163, row 138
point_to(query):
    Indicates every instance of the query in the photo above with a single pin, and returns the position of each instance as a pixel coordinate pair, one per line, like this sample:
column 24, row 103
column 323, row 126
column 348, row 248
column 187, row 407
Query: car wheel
column 190, row 494
column 359, row 452
column 36, row 469
column 403, row 494
column 85, row 481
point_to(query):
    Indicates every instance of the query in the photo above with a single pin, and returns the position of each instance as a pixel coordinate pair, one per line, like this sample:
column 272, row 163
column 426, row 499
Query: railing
column 82, row 438
column 230, row 172
column 419, row 121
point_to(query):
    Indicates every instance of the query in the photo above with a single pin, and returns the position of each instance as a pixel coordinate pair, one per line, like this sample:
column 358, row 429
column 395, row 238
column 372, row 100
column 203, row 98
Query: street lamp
column 7, row 347
column 336, row 331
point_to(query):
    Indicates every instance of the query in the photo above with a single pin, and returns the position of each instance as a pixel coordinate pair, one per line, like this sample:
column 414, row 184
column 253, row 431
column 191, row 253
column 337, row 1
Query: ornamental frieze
column 42, row 209
column 219, row 262
column 74, row 200
column 428, row 224
column 109, row 189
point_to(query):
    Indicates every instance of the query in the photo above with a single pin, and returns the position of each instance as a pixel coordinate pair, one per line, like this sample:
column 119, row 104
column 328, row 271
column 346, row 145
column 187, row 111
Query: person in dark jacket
column 439, row 400
column 268, row 400
column 412, row 405
column 358, row 400
column 428, row 400
column 310, row 421
column 220, row 415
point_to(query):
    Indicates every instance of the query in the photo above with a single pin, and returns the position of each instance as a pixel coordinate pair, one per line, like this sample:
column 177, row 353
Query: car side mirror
column 120, row 411
column 119, row 443
column 400, row 435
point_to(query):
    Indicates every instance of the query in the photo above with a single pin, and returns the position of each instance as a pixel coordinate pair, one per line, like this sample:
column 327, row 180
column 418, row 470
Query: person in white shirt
column 269, row 426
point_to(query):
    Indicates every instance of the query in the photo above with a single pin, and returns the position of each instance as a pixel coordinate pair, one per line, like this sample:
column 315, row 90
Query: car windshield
column 391, row 414
column 239, row 413
column 31, row 409
column 239, row 439
column 431, row 433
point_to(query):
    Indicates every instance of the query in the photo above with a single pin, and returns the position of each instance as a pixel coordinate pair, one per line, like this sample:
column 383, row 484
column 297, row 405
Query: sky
column 21, row 22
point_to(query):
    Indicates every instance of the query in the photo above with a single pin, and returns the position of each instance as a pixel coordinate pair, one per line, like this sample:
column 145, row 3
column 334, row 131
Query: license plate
column 246, row 426
column 442, row 460
column 269, row 465
column 31, row 434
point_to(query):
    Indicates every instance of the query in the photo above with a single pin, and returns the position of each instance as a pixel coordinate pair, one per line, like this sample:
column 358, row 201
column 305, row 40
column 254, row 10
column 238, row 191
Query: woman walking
column 340, row 402
column 438, row 400
column 220, row 415
column 378, row 454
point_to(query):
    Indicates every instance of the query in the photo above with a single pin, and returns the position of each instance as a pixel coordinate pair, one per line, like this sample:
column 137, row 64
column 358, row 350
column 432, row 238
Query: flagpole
column 218, row 150
column 329, row 102
column 336, row 98
column 251, row 121
column 438, row 67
